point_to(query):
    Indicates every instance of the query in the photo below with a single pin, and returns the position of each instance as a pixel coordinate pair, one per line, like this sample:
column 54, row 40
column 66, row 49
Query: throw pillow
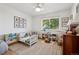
column 22, row 34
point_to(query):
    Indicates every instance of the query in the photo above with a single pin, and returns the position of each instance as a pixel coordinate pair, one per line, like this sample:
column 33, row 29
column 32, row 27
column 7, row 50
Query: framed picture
column 16, row 22
column 71, row 17
column 25, row 23
column 64, row 21
column 19, row 22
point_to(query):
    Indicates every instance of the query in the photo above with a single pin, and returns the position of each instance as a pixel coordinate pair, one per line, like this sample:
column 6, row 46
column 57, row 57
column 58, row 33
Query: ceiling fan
column 38, row 7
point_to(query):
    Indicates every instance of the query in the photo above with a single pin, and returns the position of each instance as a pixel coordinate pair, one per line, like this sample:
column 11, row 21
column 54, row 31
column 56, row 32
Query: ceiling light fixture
column 38, row 7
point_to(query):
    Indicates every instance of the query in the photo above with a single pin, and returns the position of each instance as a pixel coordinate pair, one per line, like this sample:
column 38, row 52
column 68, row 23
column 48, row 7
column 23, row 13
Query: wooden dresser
column 70, row 44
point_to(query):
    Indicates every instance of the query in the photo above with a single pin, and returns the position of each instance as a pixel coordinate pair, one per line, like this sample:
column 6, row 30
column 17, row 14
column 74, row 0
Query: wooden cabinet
column 70, row 44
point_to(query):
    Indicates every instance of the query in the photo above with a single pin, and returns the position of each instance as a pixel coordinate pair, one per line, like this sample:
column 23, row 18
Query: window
column 52, row 23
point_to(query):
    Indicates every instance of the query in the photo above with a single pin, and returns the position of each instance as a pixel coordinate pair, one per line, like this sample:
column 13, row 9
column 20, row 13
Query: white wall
column 37, row 19
column 33, row 23
column 7, row 20
column 75, row 15
column 73, row 11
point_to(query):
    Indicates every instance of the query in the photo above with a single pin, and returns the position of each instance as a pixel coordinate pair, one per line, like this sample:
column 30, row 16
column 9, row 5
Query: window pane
column 54, row 23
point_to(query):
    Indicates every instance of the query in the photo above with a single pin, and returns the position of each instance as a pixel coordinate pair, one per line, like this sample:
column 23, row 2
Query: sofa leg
column 30, row 45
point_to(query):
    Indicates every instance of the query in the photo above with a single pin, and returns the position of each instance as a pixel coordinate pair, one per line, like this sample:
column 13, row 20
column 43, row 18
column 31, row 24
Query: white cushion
column 24, row 39
column 22, row 34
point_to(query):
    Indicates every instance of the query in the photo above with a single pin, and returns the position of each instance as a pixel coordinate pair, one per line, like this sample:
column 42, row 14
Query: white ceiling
column 48, row 7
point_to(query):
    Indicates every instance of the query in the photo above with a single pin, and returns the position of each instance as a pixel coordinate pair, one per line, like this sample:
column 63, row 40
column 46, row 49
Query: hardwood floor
column 39, row 48
column 10, row 52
